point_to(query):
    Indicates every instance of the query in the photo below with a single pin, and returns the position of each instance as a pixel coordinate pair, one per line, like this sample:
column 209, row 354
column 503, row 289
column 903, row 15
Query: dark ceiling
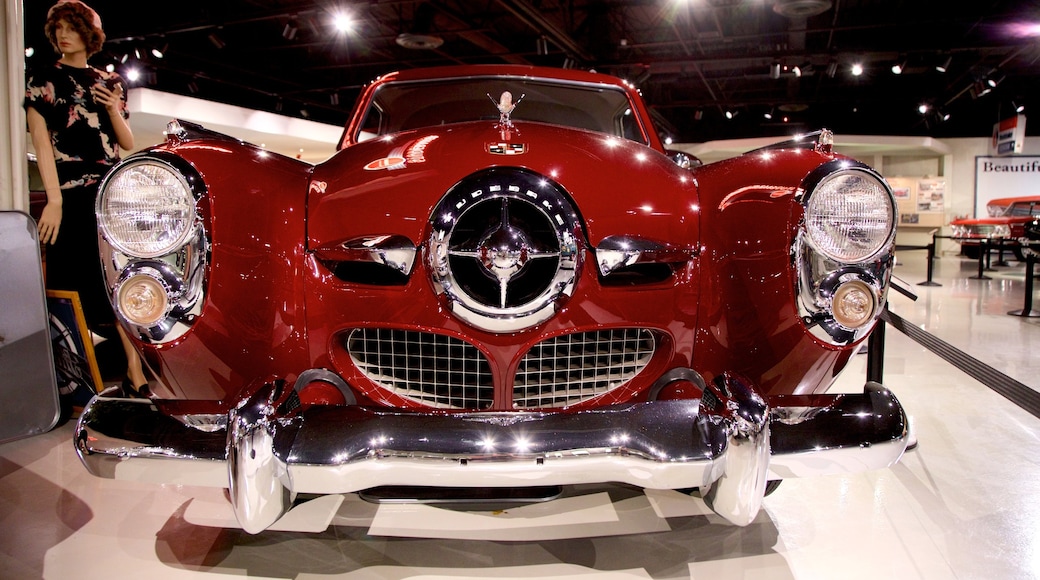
column 693, row 59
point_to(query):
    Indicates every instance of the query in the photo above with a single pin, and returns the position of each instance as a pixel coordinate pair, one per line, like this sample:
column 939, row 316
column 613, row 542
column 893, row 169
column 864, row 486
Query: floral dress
column 85, row 149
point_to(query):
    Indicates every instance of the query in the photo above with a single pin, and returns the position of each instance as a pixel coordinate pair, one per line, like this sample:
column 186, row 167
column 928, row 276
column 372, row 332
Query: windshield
column 412, row 105
column 1023, row 209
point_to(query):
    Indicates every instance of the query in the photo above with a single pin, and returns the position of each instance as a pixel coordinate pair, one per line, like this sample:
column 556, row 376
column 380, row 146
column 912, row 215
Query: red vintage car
column 501, row 280
column 1006, row 221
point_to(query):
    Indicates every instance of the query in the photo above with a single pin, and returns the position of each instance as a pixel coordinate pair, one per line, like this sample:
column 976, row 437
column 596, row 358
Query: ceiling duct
column 421, row 37
column 801, row 8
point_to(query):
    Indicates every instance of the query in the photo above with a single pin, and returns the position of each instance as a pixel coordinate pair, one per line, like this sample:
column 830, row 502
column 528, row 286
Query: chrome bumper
column 729, row 444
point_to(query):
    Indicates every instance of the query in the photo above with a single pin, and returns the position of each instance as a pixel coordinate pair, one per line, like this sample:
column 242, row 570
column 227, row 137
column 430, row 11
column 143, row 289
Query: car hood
column 391, row 185
column 994, row 221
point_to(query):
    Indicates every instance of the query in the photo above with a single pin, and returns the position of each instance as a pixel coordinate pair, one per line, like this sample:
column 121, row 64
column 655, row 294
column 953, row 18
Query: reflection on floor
column 963, row 505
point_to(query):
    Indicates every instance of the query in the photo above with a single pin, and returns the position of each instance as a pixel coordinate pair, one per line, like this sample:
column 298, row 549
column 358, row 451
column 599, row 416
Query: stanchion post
column 931, row 263
column 983, row 253
column 1027, row 310
column 876, row 352
column 1000, row 253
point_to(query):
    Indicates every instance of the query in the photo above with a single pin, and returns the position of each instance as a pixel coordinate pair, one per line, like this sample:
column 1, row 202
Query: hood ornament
column 505, row 106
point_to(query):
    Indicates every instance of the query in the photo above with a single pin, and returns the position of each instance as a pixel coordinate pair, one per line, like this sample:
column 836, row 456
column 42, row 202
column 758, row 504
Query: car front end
column 498, row 302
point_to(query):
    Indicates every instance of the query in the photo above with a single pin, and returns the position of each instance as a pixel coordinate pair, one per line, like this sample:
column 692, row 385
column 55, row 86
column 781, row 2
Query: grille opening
column 566, row 370
column 431, row 369
column 638, row 274
column 367, row 273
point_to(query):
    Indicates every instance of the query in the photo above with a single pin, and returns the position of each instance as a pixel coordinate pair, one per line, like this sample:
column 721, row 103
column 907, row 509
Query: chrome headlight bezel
column 159, row 222
column 850, row 213
column 180, row 272
column 825, row 267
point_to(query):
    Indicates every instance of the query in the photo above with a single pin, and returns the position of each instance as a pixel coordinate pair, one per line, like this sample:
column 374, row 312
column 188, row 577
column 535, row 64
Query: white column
column 13, row 175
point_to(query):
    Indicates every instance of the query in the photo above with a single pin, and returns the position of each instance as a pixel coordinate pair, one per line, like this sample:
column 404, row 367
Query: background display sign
column 1008, row 136
column 1005, row 177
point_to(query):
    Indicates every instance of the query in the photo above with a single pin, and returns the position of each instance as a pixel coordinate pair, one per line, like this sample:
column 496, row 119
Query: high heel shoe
column 130, row 392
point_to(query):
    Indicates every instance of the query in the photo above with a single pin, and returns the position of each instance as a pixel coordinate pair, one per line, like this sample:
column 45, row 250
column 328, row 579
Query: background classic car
column 501, row 280
column 1006, row 220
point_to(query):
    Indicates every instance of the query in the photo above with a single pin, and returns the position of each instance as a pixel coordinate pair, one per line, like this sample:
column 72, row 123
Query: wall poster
column 997, row 177
column 79, row 377
column 921, row 202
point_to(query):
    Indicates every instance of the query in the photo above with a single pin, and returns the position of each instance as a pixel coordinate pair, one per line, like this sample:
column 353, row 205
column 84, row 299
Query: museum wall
column 957, row 170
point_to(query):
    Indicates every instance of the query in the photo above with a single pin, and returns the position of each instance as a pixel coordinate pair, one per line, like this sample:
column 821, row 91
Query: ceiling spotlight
column 290, row 30
column 774, row 70
column 768, row 114
column 899, row 67
column 419, row 41
column 542, row 45
column 944, row 115
column 1018, row 108
column 29, row 51
column 730, row 114
column 944, row 65
column 216, row 40
column 922, row 108
column 857, row 69
column 979, row 89
column 343, row 22
column 995, row 80
column 160, row 51
column 797, row 70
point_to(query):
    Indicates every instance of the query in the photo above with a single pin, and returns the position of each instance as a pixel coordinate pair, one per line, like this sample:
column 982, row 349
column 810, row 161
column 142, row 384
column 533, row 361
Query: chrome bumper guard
column 729, row 443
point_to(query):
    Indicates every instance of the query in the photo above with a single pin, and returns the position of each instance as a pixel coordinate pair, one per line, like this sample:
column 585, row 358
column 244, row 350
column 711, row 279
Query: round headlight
column 850, row 216
column 146, row 209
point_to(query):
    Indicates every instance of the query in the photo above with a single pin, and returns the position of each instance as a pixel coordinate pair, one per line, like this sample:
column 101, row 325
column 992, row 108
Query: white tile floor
column 965, row 504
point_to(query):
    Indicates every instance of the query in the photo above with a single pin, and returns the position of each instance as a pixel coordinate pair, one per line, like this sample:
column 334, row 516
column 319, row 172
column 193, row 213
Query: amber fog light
column 853, row 304
column 142, row 300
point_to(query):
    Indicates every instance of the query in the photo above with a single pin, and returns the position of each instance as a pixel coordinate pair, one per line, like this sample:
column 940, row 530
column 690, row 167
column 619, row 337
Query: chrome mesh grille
column 569, row 369
column 432, row 369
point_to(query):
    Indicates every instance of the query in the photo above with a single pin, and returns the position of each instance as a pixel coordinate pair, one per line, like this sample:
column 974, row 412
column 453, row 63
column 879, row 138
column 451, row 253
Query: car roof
column 1011, row 200
column 463, row 71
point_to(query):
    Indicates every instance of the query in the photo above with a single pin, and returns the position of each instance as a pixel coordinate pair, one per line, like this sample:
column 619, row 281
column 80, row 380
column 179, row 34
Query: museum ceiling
column 709, row 69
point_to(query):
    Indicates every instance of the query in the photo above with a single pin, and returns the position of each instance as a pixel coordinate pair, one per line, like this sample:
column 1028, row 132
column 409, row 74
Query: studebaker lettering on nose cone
column 586, row 312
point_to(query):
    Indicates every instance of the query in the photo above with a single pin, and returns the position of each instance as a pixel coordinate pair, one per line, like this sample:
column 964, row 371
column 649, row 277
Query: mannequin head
column 82, row 18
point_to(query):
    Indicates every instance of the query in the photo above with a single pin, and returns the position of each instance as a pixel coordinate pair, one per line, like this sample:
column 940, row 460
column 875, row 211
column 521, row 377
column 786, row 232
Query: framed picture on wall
column 77, row 371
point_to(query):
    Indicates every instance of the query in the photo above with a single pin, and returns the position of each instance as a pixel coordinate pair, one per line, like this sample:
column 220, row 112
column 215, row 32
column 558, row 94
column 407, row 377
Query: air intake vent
column 566, row 370
column 432, row 369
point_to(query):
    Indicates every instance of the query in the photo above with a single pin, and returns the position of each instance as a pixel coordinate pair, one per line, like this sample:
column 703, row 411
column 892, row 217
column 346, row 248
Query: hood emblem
column 505, row 106
column 503, row 148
